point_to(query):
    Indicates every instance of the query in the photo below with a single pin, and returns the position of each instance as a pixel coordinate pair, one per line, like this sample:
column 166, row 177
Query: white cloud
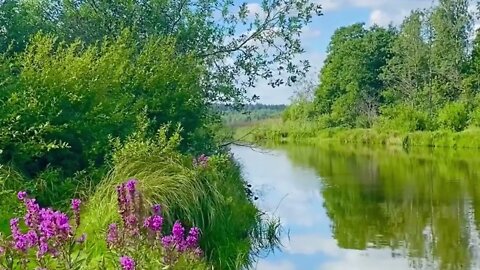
column 384, row 18
column 310, row 244
column 382, row 11
column 255, row 8
column 283, row 265
column 309, row 32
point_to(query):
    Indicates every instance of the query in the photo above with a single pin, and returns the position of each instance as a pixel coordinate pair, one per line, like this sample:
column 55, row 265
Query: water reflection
column 358, row 208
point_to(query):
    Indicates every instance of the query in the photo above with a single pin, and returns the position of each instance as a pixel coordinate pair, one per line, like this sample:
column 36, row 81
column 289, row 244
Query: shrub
column 403, row 118
column 453, row 116
column 61, row 105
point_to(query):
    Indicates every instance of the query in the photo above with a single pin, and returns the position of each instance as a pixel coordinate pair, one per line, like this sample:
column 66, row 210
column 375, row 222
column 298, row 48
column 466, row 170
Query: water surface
column 351, row 208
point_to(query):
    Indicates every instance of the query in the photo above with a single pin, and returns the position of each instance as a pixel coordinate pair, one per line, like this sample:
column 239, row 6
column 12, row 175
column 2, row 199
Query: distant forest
column 249, row 113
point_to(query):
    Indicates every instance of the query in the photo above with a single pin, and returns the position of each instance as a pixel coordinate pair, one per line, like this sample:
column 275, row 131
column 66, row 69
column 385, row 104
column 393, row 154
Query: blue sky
column 339, row 13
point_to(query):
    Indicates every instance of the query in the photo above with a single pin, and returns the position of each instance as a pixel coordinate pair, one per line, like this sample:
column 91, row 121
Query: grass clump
column 210, row 196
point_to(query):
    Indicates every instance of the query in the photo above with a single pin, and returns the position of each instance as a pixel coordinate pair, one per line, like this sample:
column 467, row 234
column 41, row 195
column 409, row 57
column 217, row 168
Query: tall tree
column 451, row 23
column 406, row 74
column 350, row 85
column 236, row 44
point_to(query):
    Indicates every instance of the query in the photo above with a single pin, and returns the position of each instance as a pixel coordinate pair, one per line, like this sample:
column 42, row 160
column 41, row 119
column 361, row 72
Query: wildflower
column 112, row 235
column 156, row 209
column 192, row 239
column 42, row 247
column 22, row 195
column 168, row 242
column 154, row 223
column 131, row 225
column 131, row 185
column 32, row 217
column 201, row 161
column 178, row 231
column 198, row 252
column 82, row 238
column 76, row 210
column 127, row 263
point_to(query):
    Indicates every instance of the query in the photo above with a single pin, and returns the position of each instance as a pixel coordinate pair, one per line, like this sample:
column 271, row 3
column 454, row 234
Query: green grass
column 312, row 133
column 212, row 198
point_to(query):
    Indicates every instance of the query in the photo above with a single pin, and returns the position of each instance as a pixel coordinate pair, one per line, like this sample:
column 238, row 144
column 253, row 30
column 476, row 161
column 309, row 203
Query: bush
column 453, row 116
column 403, row 118
column 475, row 117
column 63, row 104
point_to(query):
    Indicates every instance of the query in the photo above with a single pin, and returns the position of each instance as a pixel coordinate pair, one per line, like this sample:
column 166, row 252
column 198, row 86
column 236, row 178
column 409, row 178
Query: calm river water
column 355, row 208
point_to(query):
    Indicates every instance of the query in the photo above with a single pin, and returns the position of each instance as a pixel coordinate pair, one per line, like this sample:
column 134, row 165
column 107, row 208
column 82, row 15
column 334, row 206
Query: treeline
column 249, row 113
column 422, row 75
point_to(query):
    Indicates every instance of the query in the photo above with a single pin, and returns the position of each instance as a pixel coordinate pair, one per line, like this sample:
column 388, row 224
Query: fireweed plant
column 48, row 239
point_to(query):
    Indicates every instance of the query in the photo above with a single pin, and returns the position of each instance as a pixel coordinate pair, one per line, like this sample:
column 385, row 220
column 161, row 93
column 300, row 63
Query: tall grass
column 10, row 181
column 310, row 132
column 212, row 198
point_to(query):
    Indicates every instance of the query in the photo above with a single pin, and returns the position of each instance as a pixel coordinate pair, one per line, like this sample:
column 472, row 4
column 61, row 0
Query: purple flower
column 14, row 227
column 43, row 247
column 131, row 225
column 154, row 223
column 2, row 251
column 112, row 235
column 156, row 209
column 22, row 195
column 192, row 239
column 127, row 263
column 201, row 161
column 76, row 205
column 178, row 231
column 82, row 238
column 198, row 252
column 32, row 217
column 76, row 210
column 168, row 242
column 131, row 185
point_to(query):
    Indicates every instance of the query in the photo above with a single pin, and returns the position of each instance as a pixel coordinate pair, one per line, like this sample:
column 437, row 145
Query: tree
column 406, row 73
column 451, row 23
column 350, row 85
column 238, row 46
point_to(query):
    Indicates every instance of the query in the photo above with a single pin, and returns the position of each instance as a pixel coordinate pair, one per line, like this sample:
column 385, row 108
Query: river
column 357, row 208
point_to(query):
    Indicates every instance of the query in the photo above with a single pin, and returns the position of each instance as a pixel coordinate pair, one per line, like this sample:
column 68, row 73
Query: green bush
column 403, row 118
column 453, row 116
column 475, row 117
column 63, row 104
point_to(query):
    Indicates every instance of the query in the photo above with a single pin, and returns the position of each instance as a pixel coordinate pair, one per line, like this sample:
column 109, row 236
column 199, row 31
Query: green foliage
column 453, row 116
column 10, row 180
column 68, row 101
column 212, row 198
column 404, row 118
column 350, row 87
column 419, row 76
column 212, row 31
column 248, row 113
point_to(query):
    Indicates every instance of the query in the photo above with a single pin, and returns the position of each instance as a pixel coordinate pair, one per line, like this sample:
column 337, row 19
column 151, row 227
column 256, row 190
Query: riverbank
column 274, row 130
column 207, row 192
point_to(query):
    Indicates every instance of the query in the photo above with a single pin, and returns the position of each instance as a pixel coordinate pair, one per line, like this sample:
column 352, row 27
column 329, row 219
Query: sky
column 338, row 13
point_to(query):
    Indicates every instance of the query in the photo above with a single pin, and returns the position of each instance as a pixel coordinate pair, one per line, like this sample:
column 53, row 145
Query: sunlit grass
column 212, row 198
